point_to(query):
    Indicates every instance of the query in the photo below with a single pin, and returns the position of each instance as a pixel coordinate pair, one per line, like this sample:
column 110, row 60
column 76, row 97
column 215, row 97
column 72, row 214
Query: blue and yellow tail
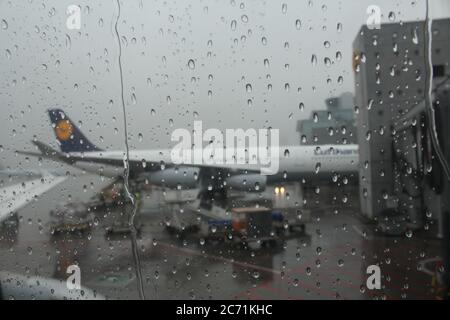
column 70, row 138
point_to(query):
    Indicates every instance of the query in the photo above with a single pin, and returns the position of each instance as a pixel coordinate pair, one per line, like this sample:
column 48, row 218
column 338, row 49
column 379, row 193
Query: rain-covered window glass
column 235, row 149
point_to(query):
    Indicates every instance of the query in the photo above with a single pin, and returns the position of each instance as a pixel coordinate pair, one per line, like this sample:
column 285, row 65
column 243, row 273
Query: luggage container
column 252, row 224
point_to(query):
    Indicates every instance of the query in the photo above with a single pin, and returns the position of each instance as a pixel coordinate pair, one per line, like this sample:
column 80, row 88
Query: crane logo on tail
column 64, row 130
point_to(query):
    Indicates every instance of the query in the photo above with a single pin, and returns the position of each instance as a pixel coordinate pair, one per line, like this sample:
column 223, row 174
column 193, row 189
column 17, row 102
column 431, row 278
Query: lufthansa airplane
column 294, row 163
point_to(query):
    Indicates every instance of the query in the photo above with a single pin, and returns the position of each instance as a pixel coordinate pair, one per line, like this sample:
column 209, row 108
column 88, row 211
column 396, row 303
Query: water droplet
column 317, row 167
column 415, row 38
column 233, row 25
column 315, row 117
column 286, row 87
column 68, row 42
column 391, row 16
column 191, row 64
column 4, row 24
column 303, row 139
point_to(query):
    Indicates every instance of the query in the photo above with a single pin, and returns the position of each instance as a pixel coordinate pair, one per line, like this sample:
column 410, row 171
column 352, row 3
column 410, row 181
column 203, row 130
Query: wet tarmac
column 328, row 261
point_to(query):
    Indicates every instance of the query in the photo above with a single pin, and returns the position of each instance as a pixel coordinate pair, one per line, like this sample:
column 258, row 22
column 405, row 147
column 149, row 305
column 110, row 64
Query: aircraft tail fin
column 69, row 136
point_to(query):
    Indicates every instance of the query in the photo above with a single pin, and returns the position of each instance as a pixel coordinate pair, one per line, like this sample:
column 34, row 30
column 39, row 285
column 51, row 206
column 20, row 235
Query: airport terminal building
column 333, row 125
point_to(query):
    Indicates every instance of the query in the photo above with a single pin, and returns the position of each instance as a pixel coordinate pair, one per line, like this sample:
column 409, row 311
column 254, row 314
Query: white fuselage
column 294, row 160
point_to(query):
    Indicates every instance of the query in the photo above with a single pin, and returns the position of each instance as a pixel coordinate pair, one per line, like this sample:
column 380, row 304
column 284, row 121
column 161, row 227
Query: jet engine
column 247, row 182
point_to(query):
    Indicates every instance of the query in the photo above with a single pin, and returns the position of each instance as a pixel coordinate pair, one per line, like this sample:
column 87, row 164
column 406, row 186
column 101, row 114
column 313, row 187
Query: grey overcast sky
column 43, row 64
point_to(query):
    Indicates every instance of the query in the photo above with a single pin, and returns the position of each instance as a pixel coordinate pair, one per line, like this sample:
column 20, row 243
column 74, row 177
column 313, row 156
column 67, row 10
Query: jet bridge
column 398, row 161
column 403, row 131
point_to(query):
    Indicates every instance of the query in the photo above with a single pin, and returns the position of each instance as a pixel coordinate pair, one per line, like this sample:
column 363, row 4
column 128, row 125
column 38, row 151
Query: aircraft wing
column 150, row 160
column 18, row 195
column 157, row 160
column 25, row 287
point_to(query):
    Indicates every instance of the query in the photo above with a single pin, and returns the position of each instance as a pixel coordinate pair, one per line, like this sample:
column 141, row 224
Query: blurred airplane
column 156, row 166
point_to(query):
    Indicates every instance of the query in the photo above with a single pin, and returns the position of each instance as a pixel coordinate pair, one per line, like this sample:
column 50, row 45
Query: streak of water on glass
column 428, row 42
column 137, row 261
